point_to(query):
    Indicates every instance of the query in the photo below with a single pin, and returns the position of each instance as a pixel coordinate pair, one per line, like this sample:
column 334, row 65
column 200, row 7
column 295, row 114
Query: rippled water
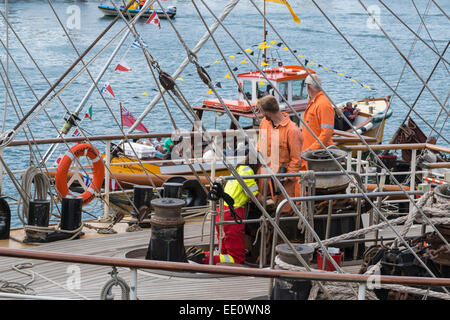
column 314, row 37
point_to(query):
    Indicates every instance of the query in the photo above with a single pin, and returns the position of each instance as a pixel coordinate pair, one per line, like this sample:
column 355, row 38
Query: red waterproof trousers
column 233, row 243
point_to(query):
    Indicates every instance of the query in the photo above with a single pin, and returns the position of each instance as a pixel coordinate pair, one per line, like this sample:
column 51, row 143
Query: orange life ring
column 87, row 150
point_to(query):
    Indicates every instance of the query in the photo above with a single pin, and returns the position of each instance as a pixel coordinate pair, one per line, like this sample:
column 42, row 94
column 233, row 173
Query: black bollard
column 71, row 213
column 5, row 219
column 38, row 213
column 167, row 239
column 173, row 190
column 142, row 197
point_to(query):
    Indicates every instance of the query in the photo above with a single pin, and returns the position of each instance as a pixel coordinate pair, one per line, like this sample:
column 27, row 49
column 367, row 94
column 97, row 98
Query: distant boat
column 111, row 11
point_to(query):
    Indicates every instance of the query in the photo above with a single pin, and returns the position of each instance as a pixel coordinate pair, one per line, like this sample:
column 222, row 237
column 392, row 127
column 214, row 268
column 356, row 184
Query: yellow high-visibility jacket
column 236, row 191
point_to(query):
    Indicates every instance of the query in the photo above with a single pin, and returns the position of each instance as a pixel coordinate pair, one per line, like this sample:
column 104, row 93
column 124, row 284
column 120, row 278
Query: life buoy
column 87, row 150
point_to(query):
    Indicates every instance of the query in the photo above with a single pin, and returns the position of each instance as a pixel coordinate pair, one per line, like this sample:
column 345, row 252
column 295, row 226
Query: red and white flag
column 122, row 66
column 154, row 18
column 107, row 88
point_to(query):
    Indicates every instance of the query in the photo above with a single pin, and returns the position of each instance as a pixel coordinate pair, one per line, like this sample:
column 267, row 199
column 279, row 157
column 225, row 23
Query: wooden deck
column 52, row 278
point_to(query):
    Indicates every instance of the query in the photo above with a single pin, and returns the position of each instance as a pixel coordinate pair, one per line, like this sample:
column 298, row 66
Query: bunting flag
column 107, row 88
column 154, row 19
column 59, row 158
column 89, row 113
column 136, row 44
column 122, row 66
column 128, row 120
column 294, row 16
column 275, row 44
column 76, row 133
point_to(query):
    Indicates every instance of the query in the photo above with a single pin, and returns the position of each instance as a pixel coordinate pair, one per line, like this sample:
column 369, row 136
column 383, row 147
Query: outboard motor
column 5, row 219
column 167, row 238
column 142, row 197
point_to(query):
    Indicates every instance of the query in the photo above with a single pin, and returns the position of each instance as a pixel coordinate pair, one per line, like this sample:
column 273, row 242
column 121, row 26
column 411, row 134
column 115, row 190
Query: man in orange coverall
column 280, row 143
column 319, row 117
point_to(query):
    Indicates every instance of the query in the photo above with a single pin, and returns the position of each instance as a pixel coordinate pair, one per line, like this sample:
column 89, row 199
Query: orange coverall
column 285, row 154
column 319, row 116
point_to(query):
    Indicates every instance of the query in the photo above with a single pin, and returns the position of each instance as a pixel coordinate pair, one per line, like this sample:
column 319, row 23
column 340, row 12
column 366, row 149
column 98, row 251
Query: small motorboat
column 111, row 11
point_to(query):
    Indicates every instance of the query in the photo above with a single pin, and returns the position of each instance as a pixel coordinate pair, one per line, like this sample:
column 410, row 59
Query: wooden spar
column 61, row 78
column 217, row 269
column 128, row 180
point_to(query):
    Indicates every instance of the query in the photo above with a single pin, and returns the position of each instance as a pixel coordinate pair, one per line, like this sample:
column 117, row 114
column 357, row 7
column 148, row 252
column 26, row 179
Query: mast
column 265, row 34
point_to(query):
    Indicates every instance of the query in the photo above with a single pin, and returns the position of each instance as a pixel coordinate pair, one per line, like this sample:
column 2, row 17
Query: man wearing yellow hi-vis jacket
column 233, row 242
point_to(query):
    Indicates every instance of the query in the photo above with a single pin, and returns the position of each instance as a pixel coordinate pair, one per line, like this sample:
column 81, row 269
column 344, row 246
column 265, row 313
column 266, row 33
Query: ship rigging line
column 221, row 53
column 432, row 127
column 61, row 78
column 406, row 59
column 228, row 8
column 412, row 31
column 419, row 30
column 441, row 9
column 109, row 108
column 339, row 165
column 423, row 88
column 9, row 136
column 82, row 131
column 369, row 148
column 434, row 44
column 205, row 78
column 153, row 63
column 287, row 103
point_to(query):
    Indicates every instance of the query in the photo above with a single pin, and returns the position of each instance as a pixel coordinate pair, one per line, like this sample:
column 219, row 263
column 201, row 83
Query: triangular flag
column 273, row 42
column 210, row 91
column 217, row 61
column 228, row 76
column 89, row 113
column 248, row 50
column 264, row 64
column 107, row 88
column 232, row 57
column 218, row 85
column 180, row 78
column 58, row 160
column 122, row 67
column 261, row 82
column 76, row 133
column 154, row 18
column 244, row 61
column 145, row 94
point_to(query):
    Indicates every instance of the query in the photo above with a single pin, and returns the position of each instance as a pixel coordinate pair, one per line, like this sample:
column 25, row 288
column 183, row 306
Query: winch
column 167, row 239
column 320, row 160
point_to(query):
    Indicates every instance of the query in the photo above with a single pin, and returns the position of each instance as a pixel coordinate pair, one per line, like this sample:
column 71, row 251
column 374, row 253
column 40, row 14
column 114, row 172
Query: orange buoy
column 86, row 150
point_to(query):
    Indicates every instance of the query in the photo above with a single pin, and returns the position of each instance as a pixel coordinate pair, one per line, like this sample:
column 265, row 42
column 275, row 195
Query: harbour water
column 314, row 38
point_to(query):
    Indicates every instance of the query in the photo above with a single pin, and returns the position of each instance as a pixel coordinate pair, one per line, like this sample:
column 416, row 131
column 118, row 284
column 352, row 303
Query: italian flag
column 89, row 113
